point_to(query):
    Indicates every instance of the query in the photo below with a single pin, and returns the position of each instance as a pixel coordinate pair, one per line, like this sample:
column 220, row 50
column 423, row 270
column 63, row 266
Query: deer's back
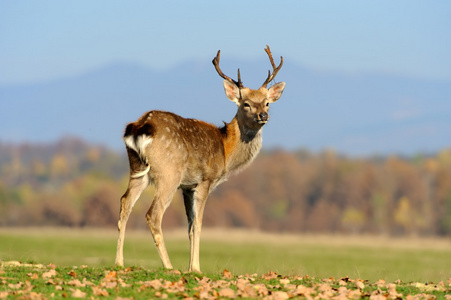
column 171, row 144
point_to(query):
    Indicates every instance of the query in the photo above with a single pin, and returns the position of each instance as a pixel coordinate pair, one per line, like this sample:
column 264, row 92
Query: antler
column 275, row 70
column 215, row 62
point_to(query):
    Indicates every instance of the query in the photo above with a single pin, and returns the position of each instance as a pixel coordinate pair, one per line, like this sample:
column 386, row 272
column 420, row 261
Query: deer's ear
column 232, row 91
column 275, row 92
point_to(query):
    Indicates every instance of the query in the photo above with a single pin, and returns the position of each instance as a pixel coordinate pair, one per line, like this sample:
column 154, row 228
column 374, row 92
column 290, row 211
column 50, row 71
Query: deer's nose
column 263, row 116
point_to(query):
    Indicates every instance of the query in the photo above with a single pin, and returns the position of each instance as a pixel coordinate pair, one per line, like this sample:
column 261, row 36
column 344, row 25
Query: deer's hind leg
column 135, row 188
column 165, row 190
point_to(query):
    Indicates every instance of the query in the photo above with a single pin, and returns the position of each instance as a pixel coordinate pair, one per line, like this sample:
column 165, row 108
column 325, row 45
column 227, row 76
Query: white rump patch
column 130, row 142
column 138, row 144
column 141, row 143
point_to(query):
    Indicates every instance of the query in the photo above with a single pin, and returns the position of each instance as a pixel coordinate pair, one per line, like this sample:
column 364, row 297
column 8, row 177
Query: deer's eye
column 247, row 105
column 267, row 104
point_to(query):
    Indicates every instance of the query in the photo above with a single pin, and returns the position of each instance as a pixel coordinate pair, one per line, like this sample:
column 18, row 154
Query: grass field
column 367, row 258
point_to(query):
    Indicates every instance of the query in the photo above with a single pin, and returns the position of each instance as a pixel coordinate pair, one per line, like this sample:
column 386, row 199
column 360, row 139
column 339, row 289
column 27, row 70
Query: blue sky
column 45, row 40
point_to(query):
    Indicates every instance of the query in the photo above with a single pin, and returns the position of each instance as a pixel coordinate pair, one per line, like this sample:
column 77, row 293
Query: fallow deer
column 172, row 152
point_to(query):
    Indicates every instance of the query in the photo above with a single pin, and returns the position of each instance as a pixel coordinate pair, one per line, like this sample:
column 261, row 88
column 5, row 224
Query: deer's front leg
column 194, row 204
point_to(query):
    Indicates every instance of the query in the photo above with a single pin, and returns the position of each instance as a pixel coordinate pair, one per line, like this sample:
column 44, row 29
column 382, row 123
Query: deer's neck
column 241, row 145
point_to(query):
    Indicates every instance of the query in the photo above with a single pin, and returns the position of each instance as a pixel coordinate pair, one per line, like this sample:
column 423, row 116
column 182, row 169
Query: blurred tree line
column 73, row 183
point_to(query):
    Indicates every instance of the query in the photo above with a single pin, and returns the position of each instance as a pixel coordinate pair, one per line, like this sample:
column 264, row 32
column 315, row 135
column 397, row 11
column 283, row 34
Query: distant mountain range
column 355, row 114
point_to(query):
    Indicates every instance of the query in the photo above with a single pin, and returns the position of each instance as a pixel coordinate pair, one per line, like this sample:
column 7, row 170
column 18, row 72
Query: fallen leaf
column 97, row 291
column 279, row 295
column 301, row 290
column 109, row 284
column 155, row 284
column 227, row 274
column 376, row 295
column 227, row 292
column 112, row 275
column 78, row 294
column 241, row 283
column 76, row 283
column 380, row 283
column 3, row 294
column 284, row 281
column 51, row 266
column 49, row 274
column 261, row 289
column 342, row 282
column 33, row 275
column 354, row 294
column 359, row 285
column 15, row 286
column 72, row 273
column 270, row 275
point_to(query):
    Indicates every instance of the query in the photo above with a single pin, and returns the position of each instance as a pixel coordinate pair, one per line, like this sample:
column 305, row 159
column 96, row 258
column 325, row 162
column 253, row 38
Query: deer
column 172, row 152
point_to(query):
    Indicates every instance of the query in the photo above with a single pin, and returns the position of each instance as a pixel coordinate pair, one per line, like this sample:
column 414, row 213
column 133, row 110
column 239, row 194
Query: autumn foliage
column 72, row 183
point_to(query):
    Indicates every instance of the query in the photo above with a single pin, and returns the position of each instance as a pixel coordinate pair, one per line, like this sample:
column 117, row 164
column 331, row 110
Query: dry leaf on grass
column 49, row 274
column 270, row 275
column 380, row 283
column 15, row 286
column 110, row 275
column 279, row 295
column 78, row 294
column 33, row 275
column 284, row 281
column 227, row 274
column 154, row 284
column 359, row 285
column 97, row 291
column 227, row 292
column 76, row 283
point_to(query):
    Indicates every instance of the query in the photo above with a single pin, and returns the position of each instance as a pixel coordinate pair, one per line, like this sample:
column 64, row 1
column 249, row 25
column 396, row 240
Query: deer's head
column 253, row 105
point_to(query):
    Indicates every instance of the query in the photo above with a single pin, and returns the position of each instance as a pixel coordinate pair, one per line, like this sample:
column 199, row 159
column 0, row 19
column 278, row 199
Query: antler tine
column 275, row 69
column 215, row 62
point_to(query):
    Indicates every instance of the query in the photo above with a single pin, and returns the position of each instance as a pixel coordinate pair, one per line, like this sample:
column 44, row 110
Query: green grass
column 368, row 258
column 28, row 281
